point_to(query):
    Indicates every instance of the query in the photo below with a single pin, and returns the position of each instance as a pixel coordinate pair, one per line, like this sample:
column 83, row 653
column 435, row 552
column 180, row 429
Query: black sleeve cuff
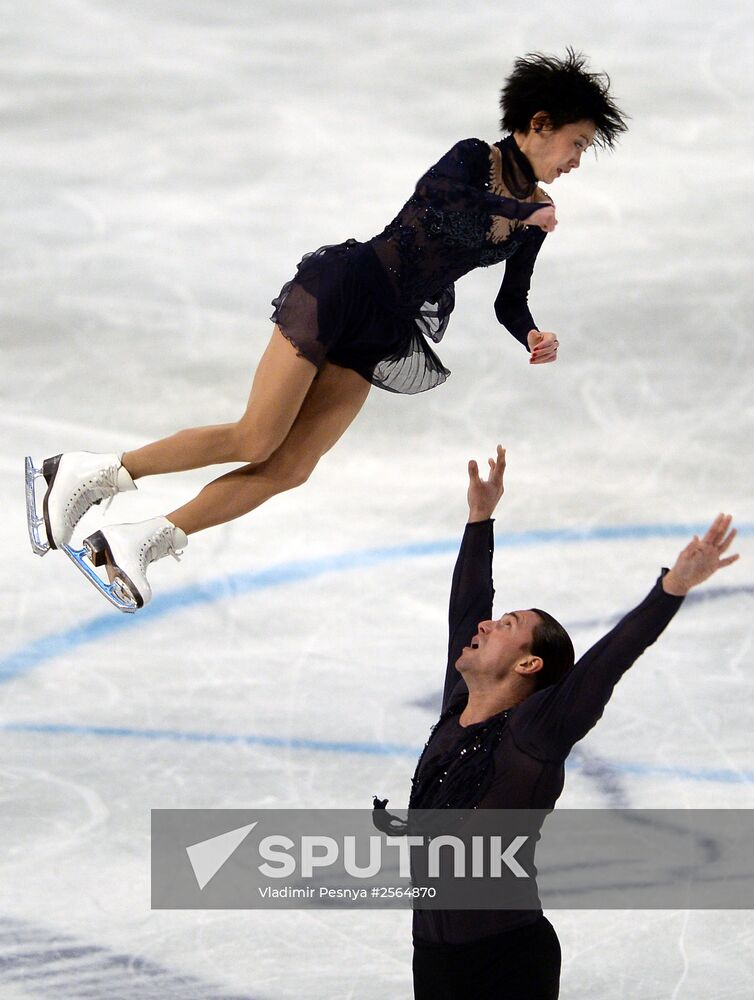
column 675, row 599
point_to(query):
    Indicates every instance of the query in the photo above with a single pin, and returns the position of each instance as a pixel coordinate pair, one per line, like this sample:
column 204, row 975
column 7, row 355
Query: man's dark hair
column 565, row 90
column 552, row 643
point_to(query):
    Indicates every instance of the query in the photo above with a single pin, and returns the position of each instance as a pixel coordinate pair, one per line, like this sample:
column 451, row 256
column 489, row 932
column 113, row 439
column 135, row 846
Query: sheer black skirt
column 340, row 306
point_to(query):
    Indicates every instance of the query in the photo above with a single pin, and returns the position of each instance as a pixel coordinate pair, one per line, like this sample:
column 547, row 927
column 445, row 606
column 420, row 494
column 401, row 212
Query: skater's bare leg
column 280, row 385
column 332, row 403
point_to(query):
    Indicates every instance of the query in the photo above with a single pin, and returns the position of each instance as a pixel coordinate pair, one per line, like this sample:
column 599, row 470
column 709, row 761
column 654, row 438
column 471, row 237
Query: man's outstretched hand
column 701, row 558
column 484, row 494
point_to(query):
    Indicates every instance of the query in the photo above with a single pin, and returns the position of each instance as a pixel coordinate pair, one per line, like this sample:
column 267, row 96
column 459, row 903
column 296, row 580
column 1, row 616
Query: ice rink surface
column 164, row 167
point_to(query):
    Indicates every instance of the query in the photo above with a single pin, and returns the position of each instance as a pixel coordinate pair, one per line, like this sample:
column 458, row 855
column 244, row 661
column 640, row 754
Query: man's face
column 499, row 645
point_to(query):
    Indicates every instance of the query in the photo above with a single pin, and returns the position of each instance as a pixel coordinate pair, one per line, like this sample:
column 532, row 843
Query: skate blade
column 40, row 546
column 117, row 593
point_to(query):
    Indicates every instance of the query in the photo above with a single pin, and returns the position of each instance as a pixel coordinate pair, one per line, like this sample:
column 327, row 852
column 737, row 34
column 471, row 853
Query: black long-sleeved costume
column 373, row 306
column 467, row 211
column 539, row 732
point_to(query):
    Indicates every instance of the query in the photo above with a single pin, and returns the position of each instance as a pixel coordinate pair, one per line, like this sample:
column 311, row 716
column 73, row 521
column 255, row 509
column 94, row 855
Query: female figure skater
column 354, row 315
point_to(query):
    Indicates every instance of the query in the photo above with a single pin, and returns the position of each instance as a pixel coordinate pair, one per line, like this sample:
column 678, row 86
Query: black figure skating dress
column 373, row 306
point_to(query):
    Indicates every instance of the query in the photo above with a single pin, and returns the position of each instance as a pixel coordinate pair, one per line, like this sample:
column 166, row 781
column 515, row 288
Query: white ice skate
column 75, row 482
column 125, row 550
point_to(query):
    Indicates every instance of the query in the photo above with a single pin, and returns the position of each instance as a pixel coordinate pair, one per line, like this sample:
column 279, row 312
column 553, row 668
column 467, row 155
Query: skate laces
column 101, row 485
column 160, row 544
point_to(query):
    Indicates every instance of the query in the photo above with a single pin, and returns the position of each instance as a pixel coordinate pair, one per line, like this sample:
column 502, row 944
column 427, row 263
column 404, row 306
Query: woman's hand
column 701, row 558
column 545, row 218
column 484, row 494
column 543, row 347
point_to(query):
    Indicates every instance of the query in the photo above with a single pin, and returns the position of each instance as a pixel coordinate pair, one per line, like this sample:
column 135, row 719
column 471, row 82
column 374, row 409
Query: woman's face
column 556, row 151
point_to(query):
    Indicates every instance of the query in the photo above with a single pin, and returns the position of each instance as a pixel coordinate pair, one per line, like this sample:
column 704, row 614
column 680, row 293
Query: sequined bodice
column 467, row 211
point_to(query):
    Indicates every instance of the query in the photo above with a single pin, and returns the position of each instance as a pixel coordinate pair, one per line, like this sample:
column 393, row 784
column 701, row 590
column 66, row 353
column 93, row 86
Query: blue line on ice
column 375, row 749
column 228, row 587
column 225, row 588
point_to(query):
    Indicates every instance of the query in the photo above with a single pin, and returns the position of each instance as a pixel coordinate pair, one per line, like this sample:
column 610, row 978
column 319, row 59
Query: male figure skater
column 514, row 704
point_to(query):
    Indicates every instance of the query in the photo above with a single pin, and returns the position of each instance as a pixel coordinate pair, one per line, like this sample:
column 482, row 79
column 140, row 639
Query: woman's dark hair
column 552, row 643
column 565, row 91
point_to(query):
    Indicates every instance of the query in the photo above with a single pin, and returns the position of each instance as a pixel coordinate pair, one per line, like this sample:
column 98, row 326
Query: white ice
column 164, row 167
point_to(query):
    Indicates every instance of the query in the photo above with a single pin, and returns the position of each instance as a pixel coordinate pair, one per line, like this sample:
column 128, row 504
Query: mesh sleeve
column 512, row 302
column 459, row 182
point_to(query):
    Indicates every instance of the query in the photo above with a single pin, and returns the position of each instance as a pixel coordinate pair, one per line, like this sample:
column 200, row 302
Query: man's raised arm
column 472, row 591
column 558, row 716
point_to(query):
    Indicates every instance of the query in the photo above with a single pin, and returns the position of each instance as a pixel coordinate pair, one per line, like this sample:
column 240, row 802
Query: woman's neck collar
column 520, row 173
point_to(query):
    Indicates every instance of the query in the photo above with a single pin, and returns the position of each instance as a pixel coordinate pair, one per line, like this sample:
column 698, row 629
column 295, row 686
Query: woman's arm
column 459, row 181
column 512, row 302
